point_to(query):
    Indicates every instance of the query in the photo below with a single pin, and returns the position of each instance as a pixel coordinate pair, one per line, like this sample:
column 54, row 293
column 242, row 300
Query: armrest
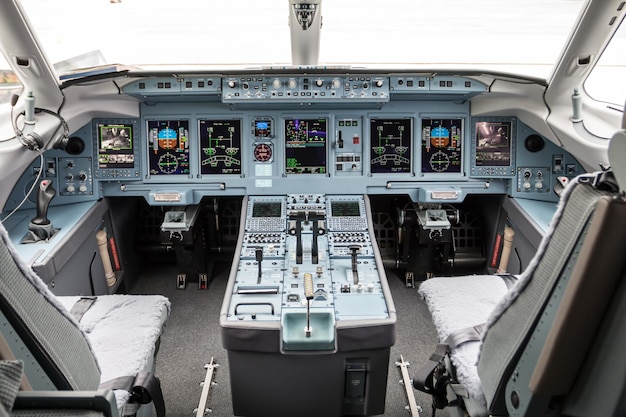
column 102, row 401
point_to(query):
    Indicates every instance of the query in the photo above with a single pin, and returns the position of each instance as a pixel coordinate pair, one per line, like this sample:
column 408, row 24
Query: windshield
column 607, row 80
column 522, row 37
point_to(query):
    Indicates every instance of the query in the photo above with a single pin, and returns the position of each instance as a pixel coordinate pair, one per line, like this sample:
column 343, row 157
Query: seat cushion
column 123, row 331
column 456, row 303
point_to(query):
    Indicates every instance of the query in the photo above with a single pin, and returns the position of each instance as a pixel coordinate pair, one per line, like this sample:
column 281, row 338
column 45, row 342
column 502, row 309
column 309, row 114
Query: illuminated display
column 263, row 152
column 262, row 128
column 168, row 143
column 441, row 145
column 273, row 209
column 115, row 146
column 493, row 143
column 305, row 146
column 391, row 145
column 220, row 146
column 345, row 209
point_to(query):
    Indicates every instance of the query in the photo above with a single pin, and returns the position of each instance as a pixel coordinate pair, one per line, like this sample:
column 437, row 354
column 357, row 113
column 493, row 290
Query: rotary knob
column 276, row 83
column 319, row 82
column 292, row 83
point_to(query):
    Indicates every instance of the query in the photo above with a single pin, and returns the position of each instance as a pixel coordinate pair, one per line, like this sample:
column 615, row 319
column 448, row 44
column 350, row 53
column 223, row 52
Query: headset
column 31, row 140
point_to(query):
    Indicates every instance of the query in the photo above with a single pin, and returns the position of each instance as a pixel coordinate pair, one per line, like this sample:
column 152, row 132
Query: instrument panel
column 259, row 130
column 365, row 151
column 329, row 134
column 219, row 146
column 327, row 144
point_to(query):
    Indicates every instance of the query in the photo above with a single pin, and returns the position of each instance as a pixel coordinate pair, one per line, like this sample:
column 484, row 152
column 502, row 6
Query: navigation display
column 305, row 146
column 220, row 146
column 493, row 143
column 441, row 145
column 391, row 145
column 115, row 146
column 168, row 147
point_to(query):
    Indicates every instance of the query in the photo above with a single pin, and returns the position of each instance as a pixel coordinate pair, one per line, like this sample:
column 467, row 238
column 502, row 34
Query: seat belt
column 81, row 306
column 467, row 334
column 423, row 379
column 432, row 377
column 143, row 388
column 424, row 375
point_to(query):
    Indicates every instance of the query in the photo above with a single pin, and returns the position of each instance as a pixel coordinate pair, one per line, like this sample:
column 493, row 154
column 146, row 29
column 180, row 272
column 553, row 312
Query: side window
column 607, row 80
column 9, row 83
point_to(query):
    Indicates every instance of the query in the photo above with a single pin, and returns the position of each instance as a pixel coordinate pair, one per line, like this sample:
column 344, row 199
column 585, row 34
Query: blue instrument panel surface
column 370, row 134
column 408, row 146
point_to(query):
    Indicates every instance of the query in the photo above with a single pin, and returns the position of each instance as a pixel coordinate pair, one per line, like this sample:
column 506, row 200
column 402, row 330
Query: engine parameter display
column 305, row 146
column 441, row 145
column 391, row 145
column 168, row 147
column 220, row 146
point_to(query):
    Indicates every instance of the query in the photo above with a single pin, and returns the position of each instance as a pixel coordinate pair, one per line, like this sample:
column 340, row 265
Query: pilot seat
column 86, row 345
column 552, row 343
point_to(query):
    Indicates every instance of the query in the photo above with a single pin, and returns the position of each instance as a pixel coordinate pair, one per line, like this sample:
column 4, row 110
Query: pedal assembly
column 183, row 230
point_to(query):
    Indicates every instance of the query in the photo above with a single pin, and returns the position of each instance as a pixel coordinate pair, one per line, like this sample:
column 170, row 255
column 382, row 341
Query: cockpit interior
column 421, row 230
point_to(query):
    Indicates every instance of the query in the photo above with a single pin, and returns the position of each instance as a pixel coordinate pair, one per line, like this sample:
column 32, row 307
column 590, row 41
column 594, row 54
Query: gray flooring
column 192, row 338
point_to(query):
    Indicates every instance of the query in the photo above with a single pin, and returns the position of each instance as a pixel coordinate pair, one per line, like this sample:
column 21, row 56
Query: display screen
column 390, row 145
column 305, row 146
column 262, row 128
column 441, row 145
column 168, row 147
column 273, row 209
column 345, row 209
column 493, row 143
column 220, row 146
column 115, row 146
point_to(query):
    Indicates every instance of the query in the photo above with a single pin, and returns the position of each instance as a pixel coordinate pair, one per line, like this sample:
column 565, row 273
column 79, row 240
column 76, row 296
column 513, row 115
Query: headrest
column 617, row 155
